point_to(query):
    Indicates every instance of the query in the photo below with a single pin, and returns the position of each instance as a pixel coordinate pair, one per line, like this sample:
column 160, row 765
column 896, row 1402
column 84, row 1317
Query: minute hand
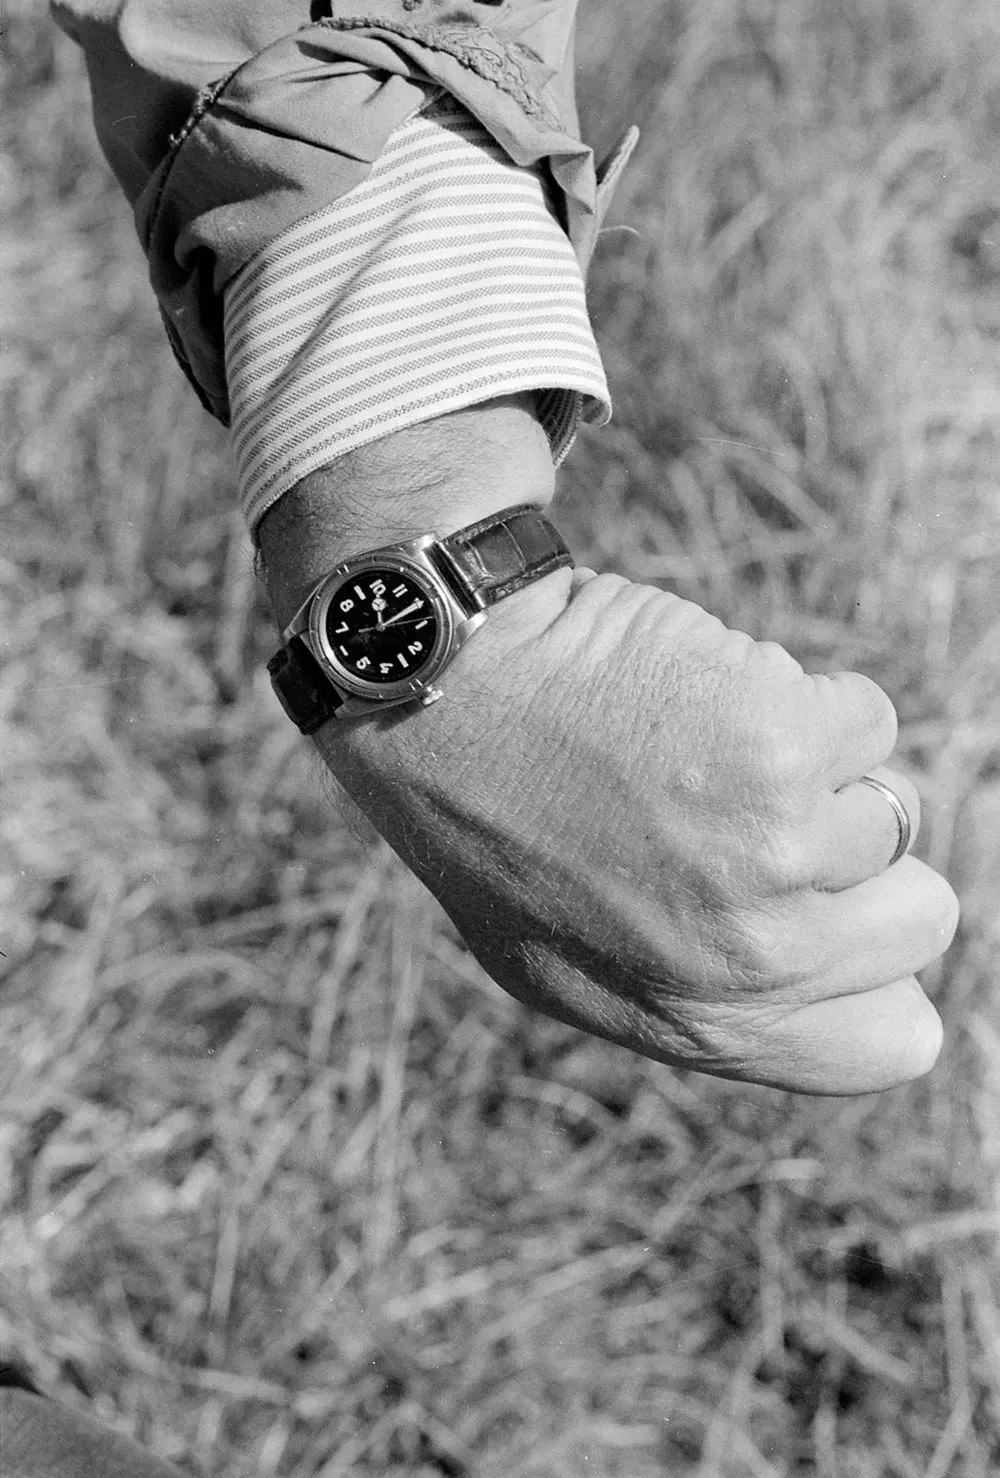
column 400, row 614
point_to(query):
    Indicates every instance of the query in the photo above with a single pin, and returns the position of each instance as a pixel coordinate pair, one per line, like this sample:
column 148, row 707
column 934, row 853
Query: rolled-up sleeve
column 229, row 121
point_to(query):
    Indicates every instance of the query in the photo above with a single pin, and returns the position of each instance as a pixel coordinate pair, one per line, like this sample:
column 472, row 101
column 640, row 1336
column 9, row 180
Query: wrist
column 436, row 477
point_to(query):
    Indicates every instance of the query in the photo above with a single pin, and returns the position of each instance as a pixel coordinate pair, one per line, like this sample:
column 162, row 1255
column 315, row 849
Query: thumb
column 848, row 1044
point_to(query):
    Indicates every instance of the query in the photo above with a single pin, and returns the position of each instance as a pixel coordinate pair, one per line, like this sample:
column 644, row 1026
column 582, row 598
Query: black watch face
column 381, row 626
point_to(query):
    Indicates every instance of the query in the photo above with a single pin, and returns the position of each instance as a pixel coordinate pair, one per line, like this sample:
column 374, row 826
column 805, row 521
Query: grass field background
column 289, row 1187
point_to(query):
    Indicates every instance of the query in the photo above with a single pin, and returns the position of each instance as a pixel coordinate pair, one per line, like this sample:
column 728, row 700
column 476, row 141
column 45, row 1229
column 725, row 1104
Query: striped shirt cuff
column 442, row 281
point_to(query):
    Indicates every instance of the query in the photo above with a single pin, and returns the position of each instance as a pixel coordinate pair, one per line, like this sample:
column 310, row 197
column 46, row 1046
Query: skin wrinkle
column 726, row 871
column 629, row 932
column 572, row 994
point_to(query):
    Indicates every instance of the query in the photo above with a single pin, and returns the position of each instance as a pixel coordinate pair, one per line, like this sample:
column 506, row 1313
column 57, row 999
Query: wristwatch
column 380, row 628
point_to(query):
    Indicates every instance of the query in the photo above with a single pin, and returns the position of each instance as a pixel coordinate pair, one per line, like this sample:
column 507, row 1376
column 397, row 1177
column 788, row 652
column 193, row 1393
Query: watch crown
column 431, row 696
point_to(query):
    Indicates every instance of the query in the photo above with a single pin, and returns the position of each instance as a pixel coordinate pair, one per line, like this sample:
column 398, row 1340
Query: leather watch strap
column 491, row 559
column 303, row 688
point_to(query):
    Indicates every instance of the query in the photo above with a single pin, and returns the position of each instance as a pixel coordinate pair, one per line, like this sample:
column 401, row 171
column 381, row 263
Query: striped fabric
column 443, row 280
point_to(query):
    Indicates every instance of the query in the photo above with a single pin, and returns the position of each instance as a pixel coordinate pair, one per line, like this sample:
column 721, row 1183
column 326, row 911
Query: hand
column 642, row 823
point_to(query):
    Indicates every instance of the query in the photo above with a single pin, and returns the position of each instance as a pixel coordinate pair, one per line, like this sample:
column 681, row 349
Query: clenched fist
column 644, row 824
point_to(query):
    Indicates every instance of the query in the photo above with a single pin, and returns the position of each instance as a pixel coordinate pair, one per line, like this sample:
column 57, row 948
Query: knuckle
column 918, row 1034
column 927, row 1038
column 942, row 912
column 778, row 658
column 934, row 911
column 877, row 713
column 608, row 585
column 596, row 593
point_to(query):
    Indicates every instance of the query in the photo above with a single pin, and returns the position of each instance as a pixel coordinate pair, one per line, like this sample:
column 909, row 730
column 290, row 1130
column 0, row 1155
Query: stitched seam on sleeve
column 475, row 47
column 205, row 100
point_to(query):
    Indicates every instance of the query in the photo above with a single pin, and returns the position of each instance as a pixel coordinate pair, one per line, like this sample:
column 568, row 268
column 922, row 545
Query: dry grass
column 290, row 1187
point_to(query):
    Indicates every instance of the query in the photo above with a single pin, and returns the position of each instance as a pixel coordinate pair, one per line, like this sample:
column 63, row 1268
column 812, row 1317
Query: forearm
column 409, row 769
column 437, row 476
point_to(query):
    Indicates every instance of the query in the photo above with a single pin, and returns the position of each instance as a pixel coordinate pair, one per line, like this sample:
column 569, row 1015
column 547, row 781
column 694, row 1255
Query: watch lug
column 468, row 626
column 357, row 708
column 360, row 707
column 299, row 624
column 410, row 546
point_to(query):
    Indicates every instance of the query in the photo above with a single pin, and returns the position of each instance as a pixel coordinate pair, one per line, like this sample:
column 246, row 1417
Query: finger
column 828, row 944
column 857, row 831
column 849, row 1044
column 887, row 927
column 860, row 725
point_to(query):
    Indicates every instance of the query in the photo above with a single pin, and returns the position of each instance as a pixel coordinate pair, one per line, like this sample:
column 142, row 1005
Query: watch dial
column 381, row 626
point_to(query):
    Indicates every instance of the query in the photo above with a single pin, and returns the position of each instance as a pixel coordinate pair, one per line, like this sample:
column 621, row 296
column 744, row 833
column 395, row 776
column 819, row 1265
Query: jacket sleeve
column 227, row 121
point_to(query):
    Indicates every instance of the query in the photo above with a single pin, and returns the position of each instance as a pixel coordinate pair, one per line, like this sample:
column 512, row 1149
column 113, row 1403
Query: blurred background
column 289, row 1187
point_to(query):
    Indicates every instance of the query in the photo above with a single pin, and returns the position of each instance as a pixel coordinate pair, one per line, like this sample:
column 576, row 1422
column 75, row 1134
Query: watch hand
column 404, row 612
column 413, row 621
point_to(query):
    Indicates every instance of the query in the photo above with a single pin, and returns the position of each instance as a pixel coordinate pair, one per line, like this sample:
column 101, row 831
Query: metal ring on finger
column 903, row 823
